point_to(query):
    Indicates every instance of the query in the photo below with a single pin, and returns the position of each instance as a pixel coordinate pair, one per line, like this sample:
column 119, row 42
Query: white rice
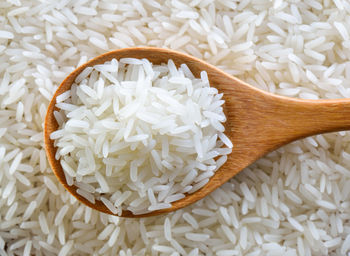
column 141, row 138
column 34, row 36
column 6, row 34
column 167, row 230
column 196, row 237
column 60, row 215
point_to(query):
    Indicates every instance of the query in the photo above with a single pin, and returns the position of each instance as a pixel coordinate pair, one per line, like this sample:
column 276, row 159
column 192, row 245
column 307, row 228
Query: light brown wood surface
column 257, row 122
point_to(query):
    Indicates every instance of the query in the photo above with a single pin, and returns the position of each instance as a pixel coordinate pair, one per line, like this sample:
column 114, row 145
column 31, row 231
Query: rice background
column 295, row 201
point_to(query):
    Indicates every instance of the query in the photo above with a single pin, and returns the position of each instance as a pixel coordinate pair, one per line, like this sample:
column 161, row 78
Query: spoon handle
column 276, row 121
column 295, row 119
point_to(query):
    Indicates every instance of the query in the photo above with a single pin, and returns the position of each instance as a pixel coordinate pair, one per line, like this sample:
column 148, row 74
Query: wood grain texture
column 257, row 122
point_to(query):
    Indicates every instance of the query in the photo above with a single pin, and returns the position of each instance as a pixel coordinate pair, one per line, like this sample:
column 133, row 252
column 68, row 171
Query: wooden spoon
column 257, row 121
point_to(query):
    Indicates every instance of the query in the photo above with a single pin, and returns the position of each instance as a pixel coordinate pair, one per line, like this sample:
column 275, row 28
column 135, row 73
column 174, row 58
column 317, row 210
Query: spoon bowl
column 257, row 123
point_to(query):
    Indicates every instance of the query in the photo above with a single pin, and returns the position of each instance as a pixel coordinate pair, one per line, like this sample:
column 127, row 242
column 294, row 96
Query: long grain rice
column 236, row 36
